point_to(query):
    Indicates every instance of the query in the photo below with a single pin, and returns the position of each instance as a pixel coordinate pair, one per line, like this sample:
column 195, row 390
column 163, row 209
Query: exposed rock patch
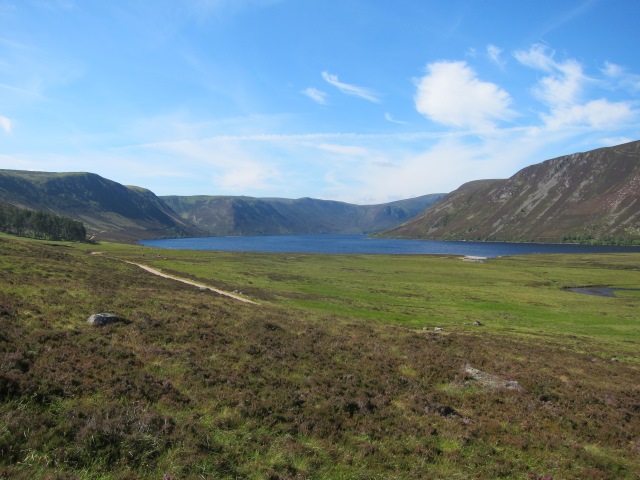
column 492, row 381
column 102, row 319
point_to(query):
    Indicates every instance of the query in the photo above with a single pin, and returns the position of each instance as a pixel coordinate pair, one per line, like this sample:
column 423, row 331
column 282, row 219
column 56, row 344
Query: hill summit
column 107, row 208
column 586, row 197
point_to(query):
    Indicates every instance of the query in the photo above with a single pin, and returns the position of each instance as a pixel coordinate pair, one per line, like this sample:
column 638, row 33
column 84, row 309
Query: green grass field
column 524, row 295
column 336, row 374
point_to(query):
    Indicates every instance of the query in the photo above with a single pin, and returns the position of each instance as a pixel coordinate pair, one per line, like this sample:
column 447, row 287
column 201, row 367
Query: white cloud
column 598, row 114
column 494, row 54
column 316, row 95
column 244, row 177
column 538, row 57
column 6, row 124
column 450, row 93
column 348, row 89
column 612, row 70
column 414, row 170
column 564, row 86
column 565, row 82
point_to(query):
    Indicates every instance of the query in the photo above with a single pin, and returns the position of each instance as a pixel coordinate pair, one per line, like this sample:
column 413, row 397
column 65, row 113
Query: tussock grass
column 331, row 376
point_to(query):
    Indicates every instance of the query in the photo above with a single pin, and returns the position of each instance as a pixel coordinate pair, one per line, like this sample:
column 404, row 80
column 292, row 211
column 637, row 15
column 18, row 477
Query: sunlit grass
column 525, row 295
column 338, row 373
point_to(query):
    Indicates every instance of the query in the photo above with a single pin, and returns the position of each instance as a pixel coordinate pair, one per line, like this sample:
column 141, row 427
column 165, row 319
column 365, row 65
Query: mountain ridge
column 108, row 209
column 112, row 211
column 589, row 196
column 241, row 215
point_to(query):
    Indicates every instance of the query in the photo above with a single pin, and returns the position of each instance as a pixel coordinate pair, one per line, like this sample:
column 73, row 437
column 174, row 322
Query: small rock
column 477, row 324
column 102, row 319
column 438, row 329
column 442, row 410
column 513, row 385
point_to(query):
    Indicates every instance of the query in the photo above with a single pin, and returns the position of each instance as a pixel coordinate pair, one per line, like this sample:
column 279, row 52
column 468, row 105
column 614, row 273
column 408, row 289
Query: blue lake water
column 361, row 244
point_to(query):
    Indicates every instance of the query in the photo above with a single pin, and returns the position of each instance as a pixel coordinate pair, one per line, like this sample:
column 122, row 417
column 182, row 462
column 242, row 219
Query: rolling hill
column 108, row 209
column 113, row 211
column 224, row 215
column 590, row 197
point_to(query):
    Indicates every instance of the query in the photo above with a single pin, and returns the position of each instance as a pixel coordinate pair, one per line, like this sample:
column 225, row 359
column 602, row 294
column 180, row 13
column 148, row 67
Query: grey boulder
column 102, row 319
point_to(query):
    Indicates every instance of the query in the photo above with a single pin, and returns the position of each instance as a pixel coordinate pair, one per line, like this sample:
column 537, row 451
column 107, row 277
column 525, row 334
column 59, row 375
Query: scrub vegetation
column 338, row 373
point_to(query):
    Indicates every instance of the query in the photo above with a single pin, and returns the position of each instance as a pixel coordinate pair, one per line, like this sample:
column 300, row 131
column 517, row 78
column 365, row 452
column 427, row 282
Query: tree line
column 38, row 224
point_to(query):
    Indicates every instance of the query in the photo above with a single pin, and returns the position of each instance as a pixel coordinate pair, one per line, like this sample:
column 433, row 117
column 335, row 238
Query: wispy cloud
column 538, row 56
column 618, row 76
column 220, row 8
column 316, row 95
column 451, row 93
column 566, row 17
column 563, row 89
column 6, row 124
column 348, row 150
column 565, row 80
column 389, row 118
column 494, row 53
column 22, row 91
column 349, row 89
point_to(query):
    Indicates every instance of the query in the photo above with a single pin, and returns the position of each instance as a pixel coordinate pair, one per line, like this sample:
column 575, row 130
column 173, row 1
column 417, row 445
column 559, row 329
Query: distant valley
column 591, row 197
column 112, row 211
column 222, row 215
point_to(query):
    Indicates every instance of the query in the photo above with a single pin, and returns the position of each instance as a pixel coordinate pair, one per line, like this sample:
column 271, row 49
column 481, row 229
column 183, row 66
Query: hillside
column 309, row 384
column 224, row 215
column 108, row 209
column 592, row 196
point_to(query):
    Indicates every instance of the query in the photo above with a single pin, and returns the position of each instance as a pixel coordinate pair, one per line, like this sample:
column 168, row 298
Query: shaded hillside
column 36, row 224
column 108, row 209
column 592, row 196
column 222, row 215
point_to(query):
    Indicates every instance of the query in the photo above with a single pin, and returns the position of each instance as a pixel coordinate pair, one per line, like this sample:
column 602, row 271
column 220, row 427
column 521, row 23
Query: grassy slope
column 306, row 385
column 590, row 196
column 108, row 210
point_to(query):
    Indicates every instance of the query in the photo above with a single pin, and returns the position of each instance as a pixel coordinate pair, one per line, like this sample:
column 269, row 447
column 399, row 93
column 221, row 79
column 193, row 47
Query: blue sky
column 365, row 101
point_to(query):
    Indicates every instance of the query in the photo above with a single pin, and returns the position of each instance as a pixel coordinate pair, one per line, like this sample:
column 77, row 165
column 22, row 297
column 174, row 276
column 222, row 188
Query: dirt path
column 189, row 282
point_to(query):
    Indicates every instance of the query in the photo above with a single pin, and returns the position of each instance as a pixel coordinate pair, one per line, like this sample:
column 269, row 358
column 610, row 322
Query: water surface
column 362, row 244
